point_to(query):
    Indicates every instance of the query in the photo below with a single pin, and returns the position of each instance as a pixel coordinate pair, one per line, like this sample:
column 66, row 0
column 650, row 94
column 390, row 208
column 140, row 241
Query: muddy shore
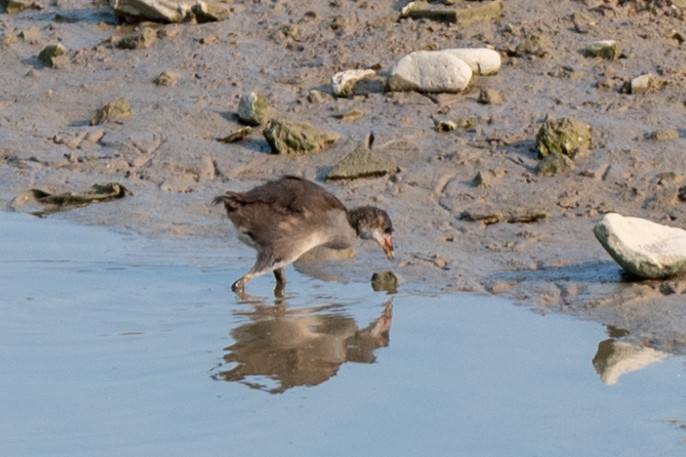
column 168, row 155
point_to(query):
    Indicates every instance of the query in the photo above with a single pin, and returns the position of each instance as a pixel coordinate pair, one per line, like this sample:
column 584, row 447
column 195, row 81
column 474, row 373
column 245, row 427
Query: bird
column 284, row 218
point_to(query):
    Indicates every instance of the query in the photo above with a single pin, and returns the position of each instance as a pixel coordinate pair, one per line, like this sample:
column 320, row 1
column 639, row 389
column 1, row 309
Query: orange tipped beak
column 388, row 247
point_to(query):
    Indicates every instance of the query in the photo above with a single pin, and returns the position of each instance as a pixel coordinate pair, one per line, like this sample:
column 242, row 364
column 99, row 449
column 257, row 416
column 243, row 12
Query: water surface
column 115, row 345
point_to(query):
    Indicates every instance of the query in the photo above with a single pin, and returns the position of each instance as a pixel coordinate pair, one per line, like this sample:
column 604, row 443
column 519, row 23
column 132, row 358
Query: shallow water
column 118, row 345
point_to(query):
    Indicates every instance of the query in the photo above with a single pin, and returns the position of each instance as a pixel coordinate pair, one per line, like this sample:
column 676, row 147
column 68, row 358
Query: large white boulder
column 482, row 61
column 644, row 248
column 430, row 71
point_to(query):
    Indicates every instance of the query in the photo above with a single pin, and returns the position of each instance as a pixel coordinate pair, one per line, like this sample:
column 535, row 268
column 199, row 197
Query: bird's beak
column 388, row 247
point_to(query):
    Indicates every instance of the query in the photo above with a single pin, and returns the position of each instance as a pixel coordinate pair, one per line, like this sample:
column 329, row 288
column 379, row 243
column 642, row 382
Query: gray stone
column 430, row 71
column 642, row 247
column 362, row 163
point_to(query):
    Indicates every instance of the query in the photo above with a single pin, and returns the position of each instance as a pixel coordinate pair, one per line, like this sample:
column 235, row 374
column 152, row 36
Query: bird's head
column 372, row 223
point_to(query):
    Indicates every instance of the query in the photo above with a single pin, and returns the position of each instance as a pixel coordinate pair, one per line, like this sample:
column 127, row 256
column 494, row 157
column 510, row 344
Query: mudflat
column 471, row 211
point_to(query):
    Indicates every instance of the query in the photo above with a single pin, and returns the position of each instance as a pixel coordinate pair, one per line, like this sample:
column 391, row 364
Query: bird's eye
column 388, row 230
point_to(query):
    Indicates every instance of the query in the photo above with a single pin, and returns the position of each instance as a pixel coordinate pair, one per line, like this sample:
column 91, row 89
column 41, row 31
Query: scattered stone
column 317, row 96
column 483, row 178
column 236, row 135
column 350, row 116
column 554, row 164
column 138, row 40
column 288, row 137
column 362, row 163
column 254, row 109
column 682, row 194
column 15, row 6
column 490, row 97
column 533, row 45
column 344, row 82
column 385, row 281
column 208, row 12
column 167, row 79
column 31, row 34
column 430, row 71
column 642, row 247
column 482, row 61
column 582, row 24
column 605, row 49
column 208, row 39
column 676, row 36
column 565, row 136
column 181, row 184
column 449, row 125
column 54, row 56
column 116, row 111
column 463, row 13
column 645, row 83
column 167, row 11
column 489, row 217
column 664, row 135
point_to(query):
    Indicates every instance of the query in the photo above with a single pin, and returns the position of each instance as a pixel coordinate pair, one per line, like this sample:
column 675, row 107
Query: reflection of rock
column 299, row 347
column 613, row 359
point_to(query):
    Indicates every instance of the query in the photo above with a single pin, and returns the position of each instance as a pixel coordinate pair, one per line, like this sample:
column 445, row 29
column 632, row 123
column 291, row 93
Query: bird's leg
column 239, row 285
column 280, row 287
column 280, row 276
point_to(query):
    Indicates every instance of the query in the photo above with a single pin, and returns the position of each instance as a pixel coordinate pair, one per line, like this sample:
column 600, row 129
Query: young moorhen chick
column 285, row 218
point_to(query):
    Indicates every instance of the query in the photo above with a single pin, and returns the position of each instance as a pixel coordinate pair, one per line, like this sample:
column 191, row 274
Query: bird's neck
column 355, row 217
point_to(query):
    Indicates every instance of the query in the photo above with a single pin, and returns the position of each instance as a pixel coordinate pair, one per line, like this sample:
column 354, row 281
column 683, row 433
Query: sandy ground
column 168, row 156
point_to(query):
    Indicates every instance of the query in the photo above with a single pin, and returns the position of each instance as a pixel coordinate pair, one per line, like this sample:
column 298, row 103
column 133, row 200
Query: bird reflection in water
column 279, row 349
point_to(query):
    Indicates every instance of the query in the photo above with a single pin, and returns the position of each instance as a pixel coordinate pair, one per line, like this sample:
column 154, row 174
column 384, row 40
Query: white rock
column 344, row 82
column 482, row 61
column 642, row 247
column 430, row 71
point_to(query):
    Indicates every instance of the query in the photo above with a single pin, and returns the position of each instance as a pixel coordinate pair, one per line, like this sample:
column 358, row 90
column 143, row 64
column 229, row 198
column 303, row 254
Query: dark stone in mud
column 563, row 136
column 385, row 281
column 53, row 56
column 292, row 138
